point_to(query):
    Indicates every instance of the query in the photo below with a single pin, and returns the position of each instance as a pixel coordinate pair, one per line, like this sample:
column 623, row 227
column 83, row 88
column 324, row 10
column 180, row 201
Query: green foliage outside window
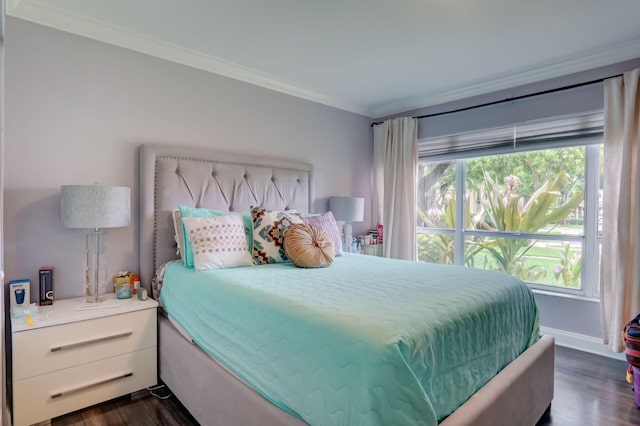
column 532, row 192
column 570, row 267
column 508, row 212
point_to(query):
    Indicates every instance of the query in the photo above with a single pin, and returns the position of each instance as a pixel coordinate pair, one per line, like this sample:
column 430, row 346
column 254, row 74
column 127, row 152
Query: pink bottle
column 379, row 233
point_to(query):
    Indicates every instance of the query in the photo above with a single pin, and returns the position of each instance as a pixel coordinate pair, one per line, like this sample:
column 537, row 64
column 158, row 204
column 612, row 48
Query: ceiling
column 373, row 57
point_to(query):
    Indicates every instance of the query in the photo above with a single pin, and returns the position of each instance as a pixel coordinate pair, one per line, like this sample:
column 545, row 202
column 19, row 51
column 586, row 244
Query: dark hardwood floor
column 139, row 409
column 589, row 390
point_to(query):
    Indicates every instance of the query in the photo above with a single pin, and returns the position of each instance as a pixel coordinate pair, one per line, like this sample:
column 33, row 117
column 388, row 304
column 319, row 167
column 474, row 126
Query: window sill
column 565, row 295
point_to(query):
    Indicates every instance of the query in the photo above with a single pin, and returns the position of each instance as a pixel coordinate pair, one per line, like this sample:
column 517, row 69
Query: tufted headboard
column 202, row 178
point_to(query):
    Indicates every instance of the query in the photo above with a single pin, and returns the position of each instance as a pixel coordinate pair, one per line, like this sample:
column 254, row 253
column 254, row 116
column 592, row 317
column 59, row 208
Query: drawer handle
column 90, row 342
column 90, row 385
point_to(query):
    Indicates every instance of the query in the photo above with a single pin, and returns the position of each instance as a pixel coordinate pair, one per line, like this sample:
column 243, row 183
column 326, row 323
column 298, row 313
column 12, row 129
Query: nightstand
column 372, row 250
column 73, row 357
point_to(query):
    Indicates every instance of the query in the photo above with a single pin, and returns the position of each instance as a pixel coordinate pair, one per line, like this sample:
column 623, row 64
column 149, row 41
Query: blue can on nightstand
column 123, row 291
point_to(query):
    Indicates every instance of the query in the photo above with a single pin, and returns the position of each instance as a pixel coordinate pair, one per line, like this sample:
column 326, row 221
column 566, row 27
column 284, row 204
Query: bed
column 212, row 389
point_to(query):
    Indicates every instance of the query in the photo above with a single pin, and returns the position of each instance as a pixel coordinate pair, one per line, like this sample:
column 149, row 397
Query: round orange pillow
column 308, row 246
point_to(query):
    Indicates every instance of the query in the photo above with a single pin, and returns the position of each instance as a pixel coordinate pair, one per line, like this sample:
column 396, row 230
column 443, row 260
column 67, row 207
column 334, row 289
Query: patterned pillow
column 218, row 241
column 268, row 234
column 328, row 224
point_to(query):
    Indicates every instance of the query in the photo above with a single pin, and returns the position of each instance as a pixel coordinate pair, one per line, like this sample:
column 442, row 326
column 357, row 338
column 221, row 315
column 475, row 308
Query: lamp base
column 92, row 299
column 348, row 238
column 96, row 286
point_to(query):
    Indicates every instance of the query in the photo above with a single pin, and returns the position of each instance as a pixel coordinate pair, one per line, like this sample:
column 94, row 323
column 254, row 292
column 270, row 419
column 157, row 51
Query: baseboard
column 580, row 342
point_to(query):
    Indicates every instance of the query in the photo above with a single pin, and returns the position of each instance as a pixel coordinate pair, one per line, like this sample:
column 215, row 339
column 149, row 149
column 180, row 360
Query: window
column 524, row 200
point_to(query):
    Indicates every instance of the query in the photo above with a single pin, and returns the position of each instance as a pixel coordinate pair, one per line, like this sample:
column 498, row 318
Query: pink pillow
column 328, row 224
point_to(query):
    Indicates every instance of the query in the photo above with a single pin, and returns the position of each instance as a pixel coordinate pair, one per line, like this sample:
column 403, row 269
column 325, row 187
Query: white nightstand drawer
column 42, row 397
column 51, row 348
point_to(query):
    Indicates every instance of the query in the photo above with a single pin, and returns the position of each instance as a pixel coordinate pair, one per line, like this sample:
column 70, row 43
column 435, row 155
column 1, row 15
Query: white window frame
column 590, row 240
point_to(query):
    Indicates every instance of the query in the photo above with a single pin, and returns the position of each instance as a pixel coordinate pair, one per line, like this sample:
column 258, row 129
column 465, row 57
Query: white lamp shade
column 348, row 209
column 95, row 206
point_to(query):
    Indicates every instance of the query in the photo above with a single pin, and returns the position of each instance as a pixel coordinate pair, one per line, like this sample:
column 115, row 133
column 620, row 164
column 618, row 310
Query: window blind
column 573, row 130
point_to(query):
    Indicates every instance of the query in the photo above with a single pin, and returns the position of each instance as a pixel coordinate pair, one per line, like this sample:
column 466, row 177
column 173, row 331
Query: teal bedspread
column 367, row 341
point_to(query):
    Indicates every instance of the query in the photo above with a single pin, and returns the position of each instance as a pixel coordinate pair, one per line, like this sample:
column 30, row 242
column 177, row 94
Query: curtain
column 395, row 157
column 620, row 269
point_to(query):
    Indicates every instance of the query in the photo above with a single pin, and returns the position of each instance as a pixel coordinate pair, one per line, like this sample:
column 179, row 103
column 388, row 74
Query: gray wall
column 77, row 109
column 574, row 315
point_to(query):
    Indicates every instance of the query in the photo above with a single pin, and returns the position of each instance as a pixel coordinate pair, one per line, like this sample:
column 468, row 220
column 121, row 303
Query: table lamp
column 95, row 207
column 347, row 209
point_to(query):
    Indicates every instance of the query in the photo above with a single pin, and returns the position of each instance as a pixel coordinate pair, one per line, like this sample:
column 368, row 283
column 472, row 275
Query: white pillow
column 218, row 241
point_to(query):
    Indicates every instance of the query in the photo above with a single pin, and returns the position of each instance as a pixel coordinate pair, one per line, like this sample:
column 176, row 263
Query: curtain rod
column 515, row 98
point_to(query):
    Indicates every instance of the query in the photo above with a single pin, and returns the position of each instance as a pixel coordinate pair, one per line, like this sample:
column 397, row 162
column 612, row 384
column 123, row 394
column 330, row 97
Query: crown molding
column 562, row 67
column 11, row 5
column 60, row 19
column 55, row 17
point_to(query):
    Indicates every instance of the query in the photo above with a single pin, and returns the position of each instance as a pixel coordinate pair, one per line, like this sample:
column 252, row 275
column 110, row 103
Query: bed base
column 212, row 394
column 518, row 395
